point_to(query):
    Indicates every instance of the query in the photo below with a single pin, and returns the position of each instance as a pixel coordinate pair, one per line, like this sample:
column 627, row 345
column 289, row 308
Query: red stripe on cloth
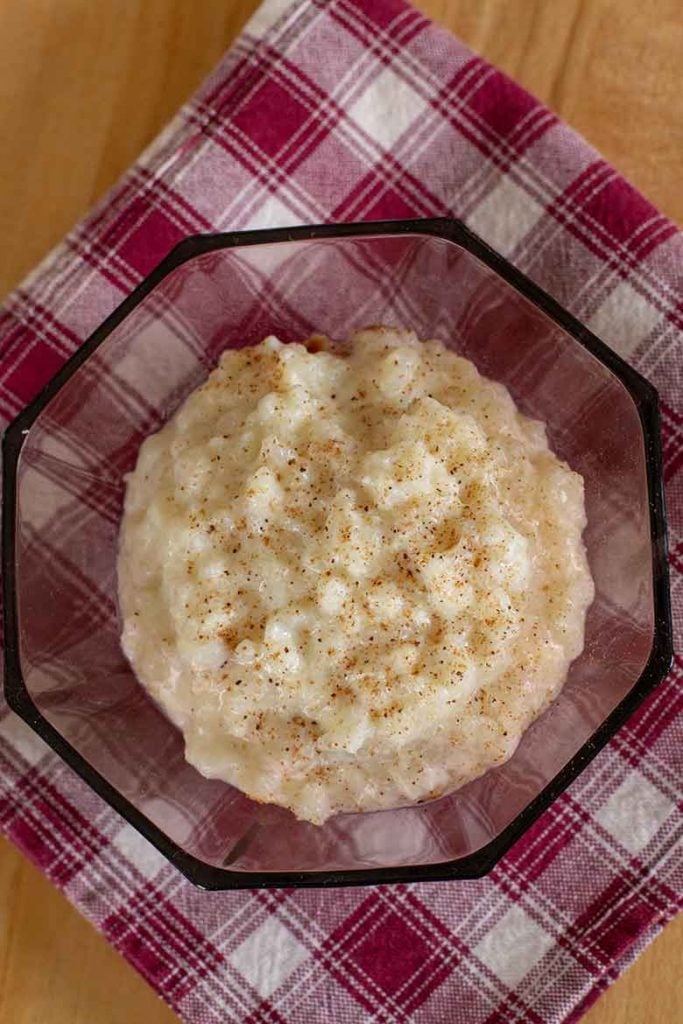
column 623, row 240
column 31, row 372
column 503, row 105
column 53, row 834
column 265, row 1013
column 385, row 958
column 470, row 102
column 672, row 440
column 398, row 24
column 158, row 939
column 653, row 717
column 542, row 843
column 613, row 922
column 676, row 557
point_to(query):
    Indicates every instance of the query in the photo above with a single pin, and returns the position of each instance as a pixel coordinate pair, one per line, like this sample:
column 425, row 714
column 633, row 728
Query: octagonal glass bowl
column 64, row 463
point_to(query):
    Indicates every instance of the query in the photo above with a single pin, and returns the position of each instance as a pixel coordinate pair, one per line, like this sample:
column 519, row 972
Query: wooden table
column 84, row 85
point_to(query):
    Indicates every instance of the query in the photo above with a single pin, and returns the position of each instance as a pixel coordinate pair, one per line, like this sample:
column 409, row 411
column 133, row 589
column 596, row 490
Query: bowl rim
column 480, row 862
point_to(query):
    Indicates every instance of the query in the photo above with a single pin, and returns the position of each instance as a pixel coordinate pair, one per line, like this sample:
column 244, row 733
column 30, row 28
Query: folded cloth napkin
column 345, row 110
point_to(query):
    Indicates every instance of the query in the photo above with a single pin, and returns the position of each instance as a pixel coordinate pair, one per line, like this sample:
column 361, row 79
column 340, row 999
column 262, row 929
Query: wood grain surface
column 84, row 86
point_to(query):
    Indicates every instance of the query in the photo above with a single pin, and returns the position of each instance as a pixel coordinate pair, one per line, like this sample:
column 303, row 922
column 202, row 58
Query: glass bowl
column 64, row 463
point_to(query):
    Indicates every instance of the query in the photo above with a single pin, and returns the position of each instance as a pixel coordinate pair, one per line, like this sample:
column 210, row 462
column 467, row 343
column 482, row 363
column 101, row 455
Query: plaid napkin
column 345, row 110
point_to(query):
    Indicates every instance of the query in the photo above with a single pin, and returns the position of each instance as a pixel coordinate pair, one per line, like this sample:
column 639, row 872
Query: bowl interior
column 69, row 501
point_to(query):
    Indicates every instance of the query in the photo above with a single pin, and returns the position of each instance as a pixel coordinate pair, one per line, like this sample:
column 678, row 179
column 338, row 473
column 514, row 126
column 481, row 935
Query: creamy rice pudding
column 352, row 577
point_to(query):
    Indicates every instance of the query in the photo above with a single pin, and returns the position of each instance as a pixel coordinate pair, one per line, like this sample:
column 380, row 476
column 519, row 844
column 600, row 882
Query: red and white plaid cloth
column 346, row 110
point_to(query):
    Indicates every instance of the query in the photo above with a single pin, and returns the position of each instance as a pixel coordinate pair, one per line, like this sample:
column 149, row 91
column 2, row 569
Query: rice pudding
column 353, row 576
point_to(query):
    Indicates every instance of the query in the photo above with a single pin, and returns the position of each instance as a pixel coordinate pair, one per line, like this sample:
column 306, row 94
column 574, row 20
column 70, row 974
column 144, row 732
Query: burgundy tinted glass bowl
column 65, row 460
